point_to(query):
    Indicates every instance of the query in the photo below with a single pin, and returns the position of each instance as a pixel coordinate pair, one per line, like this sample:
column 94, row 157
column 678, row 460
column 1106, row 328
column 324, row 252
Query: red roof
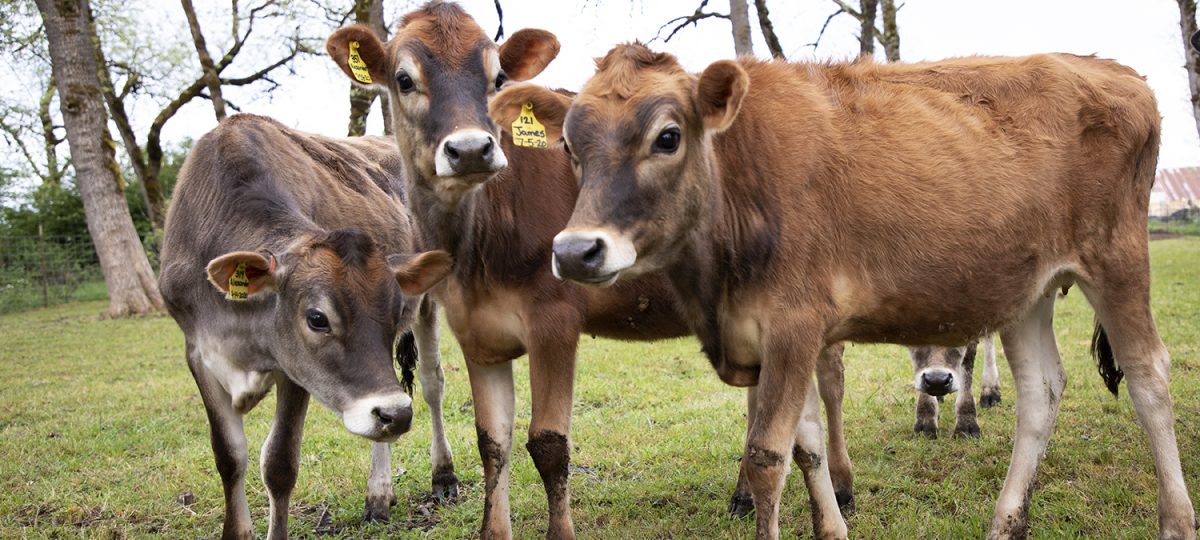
column 1179, row 184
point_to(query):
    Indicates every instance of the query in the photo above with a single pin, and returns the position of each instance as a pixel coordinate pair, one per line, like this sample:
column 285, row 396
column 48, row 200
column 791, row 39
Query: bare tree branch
column 692, row 19
column 768, row 30
column 829, row 19
column 206, row 61
column 500, row 26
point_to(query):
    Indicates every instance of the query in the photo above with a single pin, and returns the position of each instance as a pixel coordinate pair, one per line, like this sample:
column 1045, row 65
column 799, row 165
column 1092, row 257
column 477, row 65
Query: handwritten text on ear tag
column 239, row 284
column 526, row 129
column 357, row 66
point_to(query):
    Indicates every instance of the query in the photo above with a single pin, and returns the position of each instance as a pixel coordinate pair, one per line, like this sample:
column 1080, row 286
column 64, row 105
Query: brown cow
column 799, row 205
column 295, row 231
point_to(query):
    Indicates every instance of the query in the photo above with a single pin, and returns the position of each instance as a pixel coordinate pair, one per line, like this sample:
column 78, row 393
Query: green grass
column 1188, row 228
column 102, row 429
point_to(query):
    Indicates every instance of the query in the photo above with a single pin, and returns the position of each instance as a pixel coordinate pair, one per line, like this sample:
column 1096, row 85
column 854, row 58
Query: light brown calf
column 288, row 261
column 798, row 205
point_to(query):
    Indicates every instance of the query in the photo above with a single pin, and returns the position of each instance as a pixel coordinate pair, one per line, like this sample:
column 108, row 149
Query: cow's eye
column 667, row 141
column 567, row 149
column 405, row 82
column 501, row 79
column 317, row 321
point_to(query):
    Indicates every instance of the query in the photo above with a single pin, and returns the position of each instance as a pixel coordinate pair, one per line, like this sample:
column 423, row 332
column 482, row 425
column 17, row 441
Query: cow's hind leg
column 989, row 395
column 228, row 439
column 831, row 384
column 433, row 382
column 1127, row 325
column 965, row 424
column 280, row 458
column 1039, row 379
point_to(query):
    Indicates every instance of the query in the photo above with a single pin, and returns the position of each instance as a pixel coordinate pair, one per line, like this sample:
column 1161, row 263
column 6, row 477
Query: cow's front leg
column 965, row 424
column 989, row 395
column 551, row 381
column 280, row 458
column 228, row 440
column 492, row 393
column 433, row 382
column 741, row 503
column 381, row 495
column 789, row 411
column 927, row 415
column 831, row 384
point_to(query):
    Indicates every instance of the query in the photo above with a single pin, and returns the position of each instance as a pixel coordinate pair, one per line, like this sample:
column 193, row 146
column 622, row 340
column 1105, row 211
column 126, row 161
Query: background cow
column 289, row 261
column 740, row 184
column 938, row 371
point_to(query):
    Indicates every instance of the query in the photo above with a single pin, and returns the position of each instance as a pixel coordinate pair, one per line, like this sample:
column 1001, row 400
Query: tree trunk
column 768, row 29
column 1191, row 57
column 206, row 62
column 891, row 34
column 739, row 17
column 132, row 288
column 368, row 12
column 866, row 38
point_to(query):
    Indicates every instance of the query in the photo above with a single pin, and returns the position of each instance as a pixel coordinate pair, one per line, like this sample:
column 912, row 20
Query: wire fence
column 44, row 270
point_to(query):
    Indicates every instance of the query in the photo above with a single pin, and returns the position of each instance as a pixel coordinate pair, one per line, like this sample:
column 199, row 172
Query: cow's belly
column 489, row 329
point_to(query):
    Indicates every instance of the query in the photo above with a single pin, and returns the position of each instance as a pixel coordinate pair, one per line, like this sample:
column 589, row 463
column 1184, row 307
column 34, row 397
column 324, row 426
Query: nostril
column 451, row 152
column 487, row 147
column 383, row 416
column 595, row 253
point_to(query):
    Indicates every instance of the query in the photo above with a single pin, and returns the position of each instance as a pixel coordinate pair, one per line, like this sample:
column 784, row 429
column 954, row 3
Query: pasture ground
column 102, row 435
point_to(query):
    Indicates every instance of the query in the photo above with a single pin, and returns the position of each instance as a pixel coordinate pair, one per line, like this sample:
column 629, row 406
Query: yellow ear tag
column 357, row 66
column 526, row 129
column 239, row 284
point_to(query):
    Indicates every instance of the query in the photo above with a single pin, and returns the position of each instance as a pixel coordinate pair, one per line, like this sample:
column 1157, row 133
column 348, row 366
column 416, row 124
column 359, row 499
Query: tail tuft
column 1106, row 361
column 406, row 358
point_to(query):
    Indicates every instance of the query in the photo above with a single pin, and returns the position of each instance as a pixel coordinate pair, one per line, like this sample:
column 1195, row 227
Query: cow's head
column 639, row 138
column 938, row 370
column 439, row 70
column 338, row 307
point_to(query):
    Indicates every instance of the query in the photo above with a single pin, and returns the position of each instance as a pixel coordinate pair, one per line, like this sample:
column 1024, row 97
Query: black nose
column 936, row 383
column 470, row 155
column 580, row 257
column 395, row 420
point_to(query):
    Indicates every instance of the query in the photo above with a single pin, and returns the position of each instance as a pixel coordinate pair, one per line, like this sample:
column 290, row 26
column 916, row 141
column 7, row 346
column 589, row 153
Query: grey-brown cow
column 939, row 371
column 289, row 261
column 799, row 205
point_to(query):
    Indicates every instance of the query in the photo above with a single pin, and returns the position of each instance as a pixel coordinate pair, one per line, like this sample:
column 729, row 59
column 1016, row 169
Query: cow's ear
column 527, row 52
column 417, row 273
column 241, row 275
column 719, row 93
column 547, row 107
column 361, row 55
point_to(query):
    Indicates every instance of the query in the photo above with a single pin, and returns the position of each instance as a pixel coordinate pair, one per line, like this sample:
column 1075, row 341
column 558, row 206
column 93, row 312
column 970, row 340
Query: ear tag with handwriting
column 357, row 66
column 239, row 284
column 526, row 129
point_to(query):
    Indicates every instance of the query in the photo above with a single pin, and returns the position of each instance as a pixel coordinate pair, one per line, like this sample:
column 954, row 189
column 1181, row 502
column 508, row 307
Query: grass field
column 102, row 434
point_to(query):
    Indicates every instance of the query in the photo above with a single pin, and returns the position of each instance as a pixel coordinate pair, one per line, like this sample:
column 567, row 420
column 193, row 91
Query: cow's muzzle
column 591, row 257
column 469, row 152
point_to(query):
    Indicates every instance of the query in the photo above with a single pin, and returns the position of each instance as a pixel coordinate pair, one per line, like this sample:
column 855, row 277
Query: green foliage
column 58, row 208
column 101, row 440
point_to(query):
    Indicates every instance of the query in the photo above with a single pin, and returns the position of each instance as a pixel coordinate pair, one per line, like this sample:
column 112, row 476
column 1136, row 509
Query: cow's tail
column 406, row 358
column 1106, row 361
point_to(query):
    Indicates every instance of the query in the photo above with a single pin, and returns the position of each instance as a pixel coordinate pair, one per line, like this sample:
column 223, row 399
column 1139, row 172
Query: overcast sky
column 1143, row 34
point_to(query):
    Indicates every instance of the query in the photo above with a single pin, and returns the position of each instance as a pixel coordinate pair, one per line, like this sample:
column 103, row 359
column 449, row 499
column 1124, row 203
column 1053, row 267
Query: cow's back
column 252, row 184
column 975, row 177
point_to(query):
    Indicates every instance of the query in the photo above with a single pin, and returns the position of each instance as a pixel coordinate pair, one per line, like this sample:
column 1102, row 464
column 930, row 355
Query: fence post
column 42, row 266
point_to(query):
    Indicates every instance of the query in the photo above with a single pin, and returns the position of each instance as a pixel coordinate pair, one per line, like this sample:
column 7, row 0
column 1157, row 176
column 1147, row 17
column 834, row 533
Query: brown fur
column 918, row 204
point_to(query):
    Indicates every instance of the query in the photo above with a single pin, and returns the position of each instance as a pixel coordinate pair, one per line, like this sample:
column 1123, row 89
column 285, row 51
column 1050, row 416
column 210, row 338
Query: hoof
column 926, row 429
column 968, row 431
column 378, row 509
column 445, row 487
column 740, row 505
column 845, row 500
column 989, row 398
